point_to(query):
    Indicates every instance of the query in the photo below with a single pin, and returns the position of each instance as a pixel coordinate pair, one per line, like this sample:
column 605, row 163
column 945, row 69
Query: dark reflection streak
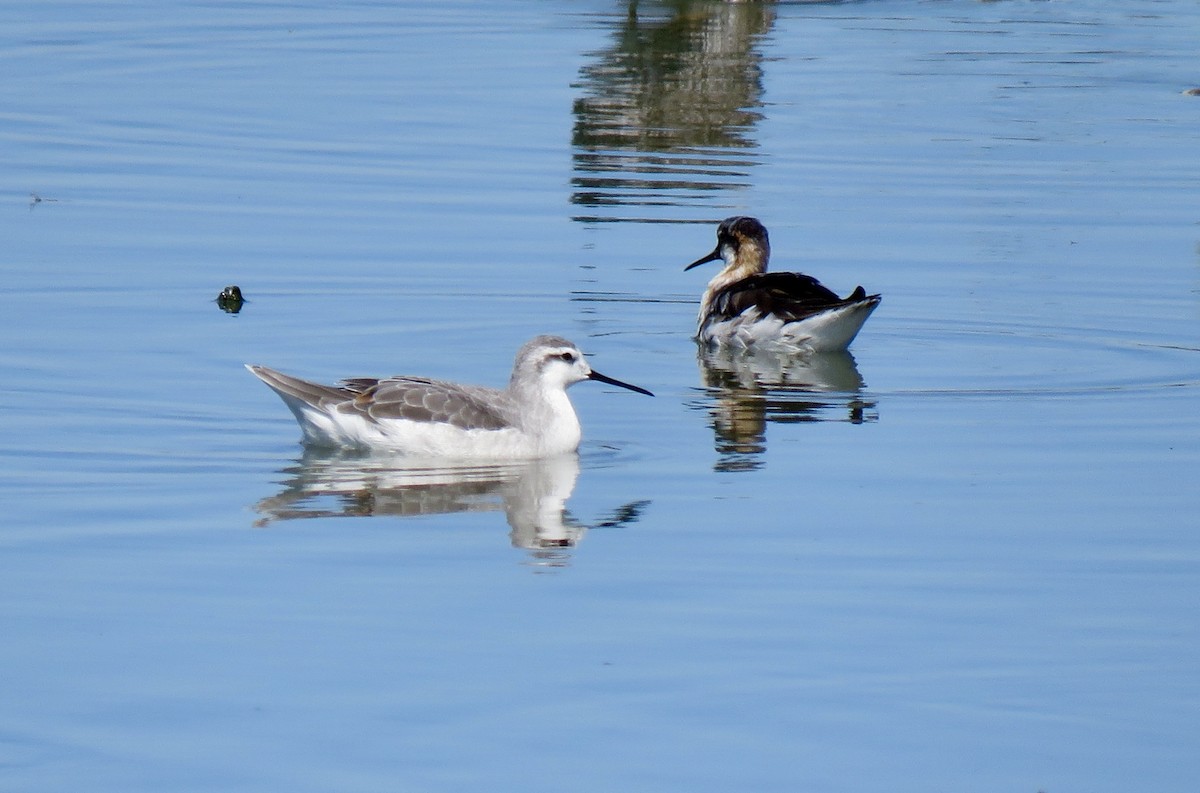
column 646, row 164
column 676, row 94
column 616, row 219
column 614, row 297
column 748, row 389
column 643, row 185
column 623, row 516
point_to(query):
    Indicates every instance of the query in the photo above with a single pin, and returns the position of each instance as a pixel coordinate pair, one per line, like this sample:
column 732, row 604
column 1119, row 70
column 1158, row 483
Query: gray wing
column 412, row 398
column 422, row 399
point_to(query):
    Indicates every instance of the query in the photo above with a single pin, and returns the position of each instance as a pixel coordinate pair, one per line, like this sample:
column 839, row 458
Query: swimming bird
column 421, row 417
column 745, row 305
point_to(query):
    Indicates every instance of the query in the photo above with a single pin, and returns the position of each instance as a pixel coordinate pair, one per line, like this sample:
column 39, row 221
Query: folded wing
column 789, row 296
column 424, row 400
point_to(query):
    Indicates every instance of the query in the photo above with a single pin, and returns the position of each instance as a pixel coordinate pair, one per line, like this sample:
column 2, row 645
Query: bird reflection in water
column 668, row 108
column 532, row 494
column 750, row 388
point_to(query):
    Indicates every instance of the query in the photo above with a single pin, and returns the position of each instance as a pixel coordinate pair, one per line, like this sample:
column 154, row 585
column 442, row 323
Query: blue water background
column 966, row 558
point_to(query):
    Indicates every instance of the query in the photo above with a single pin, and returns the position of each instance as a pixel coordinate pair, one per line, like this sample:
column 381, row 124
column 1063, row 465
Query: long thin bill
column 712, row 257
column 603, row 378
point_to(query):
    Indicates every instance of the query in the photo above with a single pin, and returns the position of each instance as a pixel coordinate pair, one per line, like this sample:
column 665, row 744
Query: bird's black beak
column 602, row 378
column 712, row 257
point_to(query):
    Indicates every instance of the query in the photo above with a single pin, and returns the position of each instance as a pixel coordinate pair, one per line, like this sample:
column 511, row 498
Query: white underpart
column 551, row 429
column 828, row 331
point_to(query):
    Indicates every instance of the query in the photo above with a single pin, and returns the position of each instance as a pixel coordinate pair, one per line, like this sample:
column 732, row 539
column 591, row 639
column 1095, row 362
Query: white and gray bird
column 421, row 417
column 744, row 305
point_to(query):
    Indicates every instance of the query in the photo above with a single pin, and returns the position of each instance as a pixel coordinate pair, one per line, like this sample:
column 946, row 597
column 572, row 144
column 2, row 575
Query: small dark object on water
column 35, row 199
column 1192, row 92
column 230, row 300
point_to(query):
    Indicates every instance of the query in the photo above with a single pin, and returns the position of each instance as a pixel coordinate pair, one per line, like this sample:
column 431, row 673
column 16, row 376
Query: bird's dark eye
column 569, row 357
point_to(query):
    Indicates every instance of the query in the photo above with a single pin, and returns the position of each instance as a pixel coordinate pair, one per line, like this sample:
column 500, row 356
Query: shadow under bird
column 744, row 305
column 421, row 417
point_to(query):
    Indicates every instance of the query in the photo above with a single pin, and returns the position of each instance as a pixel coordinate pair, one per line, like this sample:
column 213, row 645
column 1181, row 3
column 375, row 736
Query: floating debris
column 35, row 199
column 230, row 300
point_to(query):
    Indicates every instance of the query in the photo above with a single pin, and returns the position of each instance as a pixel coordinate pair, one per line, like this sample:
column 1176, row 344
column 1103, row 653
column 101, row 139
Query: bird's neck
column 549, row 416
column 749, row 260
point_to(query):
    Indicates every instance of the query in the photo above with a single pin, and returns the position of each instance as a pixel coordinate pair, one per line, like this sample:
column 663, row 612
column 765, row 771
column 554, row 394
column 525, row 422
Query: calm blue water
column 966, row 557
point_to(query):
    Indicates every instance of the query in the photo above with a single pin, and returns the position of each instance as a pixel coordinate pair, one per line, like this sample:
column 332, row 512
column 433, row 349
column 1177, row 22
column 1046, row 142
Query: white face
column 564, row 365
column 556, row 366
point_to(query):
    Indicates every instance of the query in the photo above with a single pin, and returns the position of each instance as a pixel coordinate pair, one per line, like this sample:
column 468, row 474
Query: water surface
column 963, row 556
